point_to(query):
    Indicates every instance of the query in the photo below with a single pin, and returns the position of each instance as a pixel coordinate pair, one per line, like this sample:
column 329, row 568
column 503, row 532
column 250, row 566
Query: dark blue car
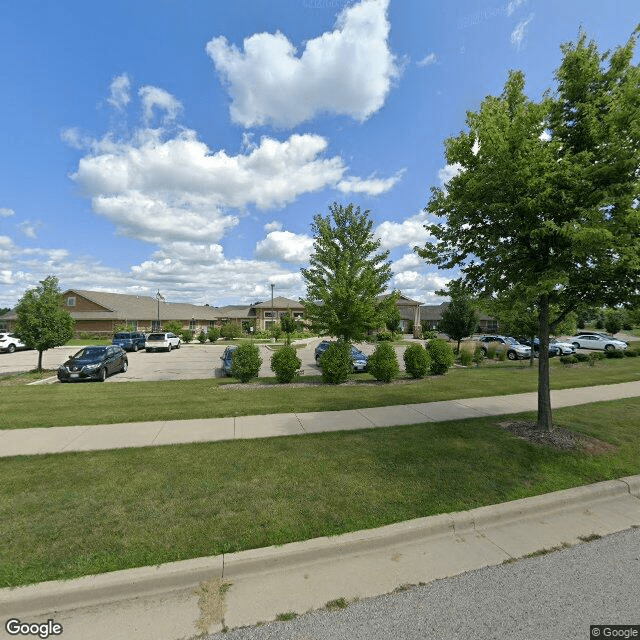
column 93, row 363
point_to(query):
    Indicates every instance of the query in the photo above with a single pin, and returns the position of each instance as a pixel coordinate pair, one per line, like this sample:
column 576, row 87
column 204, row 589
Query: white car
column 162, row 342
column 10, row 343
column 565, row 348
column 597, row 341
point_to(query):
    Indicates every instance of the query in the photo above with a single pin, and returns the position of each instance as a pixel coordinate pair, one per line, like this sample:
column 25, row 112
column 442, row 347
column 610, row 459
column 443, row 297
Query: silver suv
column 514, row 349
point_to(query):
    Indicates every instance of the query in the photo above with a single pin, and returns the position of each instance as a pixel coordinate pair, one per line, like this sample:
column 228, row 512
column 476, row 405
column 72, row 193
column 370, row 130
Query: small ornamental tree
column 42, row 322
column 613, row 319
column 336, row 363
column 416, row 360
column 285, row 363
column 383, row 363
column 186, row 335
column 288, row 325
column 460, row 318
column 246, row 362
column 202, row 337
column 213, row 334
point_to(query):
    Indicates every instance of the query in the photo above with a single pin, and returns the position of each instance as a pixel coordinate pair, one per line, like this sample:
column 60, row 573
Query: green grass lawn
column 79, row 404
column 72, row 514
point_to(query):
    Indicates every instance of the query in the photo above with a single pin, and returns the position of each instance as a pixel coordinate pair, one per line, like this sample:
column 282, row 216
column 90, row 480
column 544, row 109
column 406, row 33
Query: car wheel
column 102, row 374
column 512, row 355
column 178, row 346
column 576, row 345
column 484, row 351
column 169, row 349
column 125, row 366
column 11, row 348
column 609, row 347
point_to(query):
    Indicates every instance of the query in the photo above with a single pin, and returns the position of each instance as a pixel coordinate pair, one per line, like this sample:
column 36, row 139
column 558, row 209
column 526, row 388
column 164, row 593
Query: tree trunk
column 544, row 393
column 39, row 360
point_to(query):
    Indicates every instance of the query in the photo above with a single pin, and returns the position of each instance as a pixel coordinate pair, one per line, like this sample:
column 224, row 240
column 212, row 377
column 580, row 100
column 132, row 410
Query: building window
column 269, row 314
column 192, row 325
column 71, row 301
column 298, row 315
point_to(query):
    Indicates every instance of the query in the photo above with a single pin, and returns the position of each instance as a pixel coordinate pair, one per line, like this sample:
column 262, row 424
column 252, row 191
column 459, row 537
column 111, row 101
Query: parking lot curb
column 87, row 591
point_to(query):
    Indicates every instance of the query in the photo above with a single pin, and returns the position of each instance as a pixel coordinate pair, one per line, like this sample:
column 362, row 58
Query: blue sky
column 185, row 145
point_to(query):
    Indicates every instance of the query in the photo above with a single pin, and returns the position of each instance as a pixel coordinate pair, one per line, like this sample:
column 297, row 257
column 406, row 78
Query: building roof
column 280, row 303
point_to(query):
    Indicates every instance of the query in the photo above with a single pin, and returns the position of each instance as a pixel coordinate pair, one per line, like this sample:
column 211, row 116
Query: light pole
column 272, row 318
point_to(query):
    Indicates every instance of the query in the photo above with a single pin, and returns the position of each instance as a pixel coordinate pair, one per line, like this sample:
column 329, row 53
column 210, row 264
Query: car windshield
column 511, row 341
column 156, row 336
column 122, row 336
column 90, row 352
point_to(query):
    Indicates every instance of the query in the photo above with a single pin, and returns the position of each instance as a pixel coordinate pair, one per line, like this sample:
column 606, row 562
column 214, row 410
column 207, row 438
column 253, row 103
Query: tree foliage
column 460, row 318
column 416, row 360
column 285, row 363
column 336, row 363
column 546, row 197
column 346, row 276
column 42, row 323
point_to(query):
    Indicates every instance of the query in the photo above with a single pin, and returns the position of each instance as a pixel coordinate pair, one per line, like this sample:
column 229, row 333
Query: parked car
column 93, row 363
column 565, row 348
column 10, row 343
column 129, row 341
column 606, row 336
column 513, row 348
column 597, row 341
column 227, row 359
column 359, row 360
column 162, row 342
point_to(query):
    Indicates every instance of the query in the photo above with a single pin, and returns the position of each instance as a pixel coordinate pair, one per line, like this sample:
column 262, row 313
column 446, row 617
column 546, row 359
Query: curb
column 187, row 574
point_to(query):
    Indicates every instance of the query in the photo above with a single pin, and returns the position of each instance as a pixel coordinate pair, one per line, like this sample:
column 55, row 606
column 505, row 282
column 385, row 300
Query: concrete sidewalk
column 142, row 434
column 194, row 597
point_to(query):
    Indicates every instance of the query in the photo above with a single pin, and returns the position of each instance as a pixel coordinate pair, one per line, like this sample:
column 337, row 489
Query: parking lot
column 190, row 362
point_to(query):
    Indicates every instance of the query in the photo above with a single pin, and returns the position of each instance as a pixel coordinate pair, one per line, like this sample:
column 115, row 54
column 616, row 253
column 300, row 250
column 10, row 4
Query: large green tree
column 42, row 322
column 346, row 276
column 546, row 198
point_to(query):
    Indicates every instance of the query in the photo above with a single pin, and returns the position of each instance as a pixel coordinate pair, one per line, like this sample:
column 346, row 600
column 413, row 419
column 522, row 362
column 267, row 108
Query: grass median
column 68, row 515
column 93, row 403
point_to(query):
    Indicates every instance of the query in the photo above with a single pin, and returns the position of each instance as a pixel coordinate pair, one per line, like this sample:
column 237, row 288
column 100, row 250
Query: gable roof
column 280, row 303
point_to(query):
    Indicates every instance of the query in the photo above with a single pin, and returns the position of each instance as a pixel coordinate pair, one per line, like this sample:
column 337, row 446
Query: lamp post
column 159, row 297
column 272, row 318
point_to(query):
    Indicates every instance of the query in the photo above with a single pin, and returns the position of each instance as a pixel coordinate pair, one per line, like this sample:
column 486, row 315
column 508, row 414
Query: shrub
column 630, row 353
column 568, row 360
column 381, row 337
column 213, row 334
column 466, row 357
column 416, row 361
column 186, row 335
column 383, row 363
column 614, row 353
column 502, row 355
column 285, row 363
column 246, row 362
column 441, row 355
column 336, row 363
column 173, row 326
column 478, row 355
column 594, row 357
column 202, row 337
column 429, row 334
column 276, row 331
column 230, row 330
column 581, row 357
column 492, row 349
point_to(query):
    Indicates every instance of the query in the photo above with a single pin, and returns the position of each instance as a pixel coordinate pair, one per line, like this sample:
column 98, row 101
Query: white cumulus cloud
column 409, row 232
column 428, row 60
column 285, row 246
column 156, row 98
column 369, row 186
column 347, row 71
column 6, row 212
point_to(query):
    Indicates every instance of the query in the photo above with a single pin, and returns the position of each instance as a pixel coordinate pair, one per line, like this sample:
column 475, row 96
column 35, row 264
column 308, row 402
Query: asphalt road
column 551, row 597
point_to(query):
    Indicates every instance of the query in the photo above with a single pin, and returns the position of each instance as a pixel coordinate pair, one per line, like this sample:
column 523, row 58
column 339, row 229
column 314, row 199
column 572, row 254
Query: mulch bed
column 559, row 438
